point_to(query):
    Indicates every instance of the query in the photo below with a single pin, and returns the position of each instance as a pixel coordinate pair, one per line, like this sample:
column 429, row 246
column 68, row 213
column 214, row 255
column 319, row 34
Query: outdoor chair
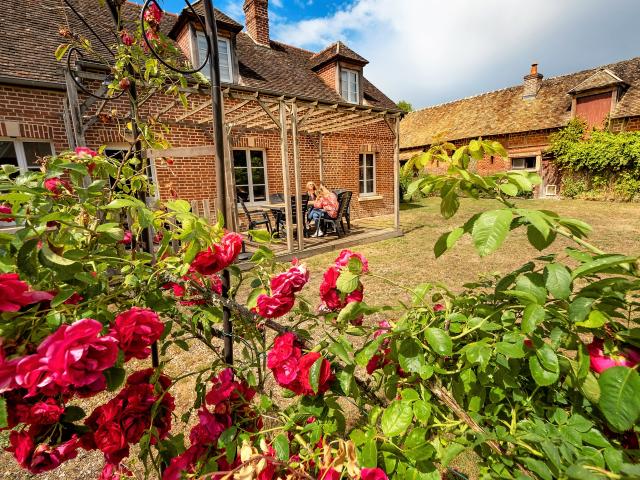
column 255, row 218
column 347, row 213
column 279, row 215
column 338, row 226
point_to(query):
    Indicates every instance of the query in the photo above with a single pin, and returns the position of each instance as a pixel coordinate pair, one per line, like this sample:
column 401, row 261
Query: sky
column 429, row 52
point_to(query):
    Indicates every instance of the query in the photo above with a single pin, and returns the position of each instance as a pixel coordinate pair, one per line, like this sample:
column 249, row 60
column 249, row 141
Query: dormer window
column 350, row 85
column 224, row 49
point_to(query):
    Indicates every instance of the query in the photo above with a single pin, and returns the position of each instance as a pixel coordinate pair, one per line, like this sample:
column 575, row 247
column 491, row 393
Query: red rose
column 373, row 474
column 45, row 412
column 6, row 210
column 290, row 282
column 226, row 388
column 136, row 329
column 284, row 347
column 84, row 152
column 41, row 458
column 76, row 355
column 274, row 307
column 333, row 300
column 127, row 238
column 153, row 14
column 7, row 372
column 114, row 472
column 110, row 439
column 210, row 427
column 127, row 38
column 32, row 373
column 15, row 294
column 346, row 255
column 329, row 474
column 324, row 379
column 74, row 299
column 57, row 186
column 219, row 256
column 600, row 362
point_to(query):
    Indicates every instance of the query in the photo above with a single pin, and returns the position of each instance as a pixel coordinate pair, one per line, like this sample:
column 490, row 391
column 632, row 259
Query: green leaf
column 537, row 240
column 115, row 378
column 347, row 281
column 281, row 446
column 538, row 220
column 447, row 241
column 61, row 51
column 538, row 467
column 422, row 410
column 532, row 315
column 314, row 374
column 557, row 279
column 544, row 366
column 509, row 189
column 396, row 418
column 596, row 319
column 341, row 349
column 368, row 351
column 369, row 454
column 602, row 264
column 479, row 353
column 73, row 413
column 181, row 206
column 533, row 285
column 411, row 356
column 259, row 236
column 440, row 341
column 580, row 308
column 450, row 201
column 119, row 203
column 4, row 421
column 620, row 397
column 490, row 230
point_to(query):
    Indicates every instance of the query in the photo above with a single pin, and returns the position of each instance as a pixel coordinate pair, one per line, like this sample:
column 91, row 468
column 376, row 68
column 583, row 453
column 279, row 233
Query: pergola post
column 284, row 153
column 297, row 174
column 396, row 176
column 321, row 162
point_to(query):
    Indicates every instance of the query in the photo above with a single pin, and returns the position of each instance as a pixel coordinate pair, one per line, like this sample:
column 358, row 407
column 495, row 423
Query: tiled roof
column 505, row 111
column 337, row 51
column 31, row 35
column 602, row 78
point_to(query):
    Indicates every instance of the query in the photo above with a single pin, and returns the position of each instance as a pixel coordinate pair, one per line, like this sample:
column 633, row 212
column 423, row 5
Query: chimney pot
column 532, row 83
column 256, row 14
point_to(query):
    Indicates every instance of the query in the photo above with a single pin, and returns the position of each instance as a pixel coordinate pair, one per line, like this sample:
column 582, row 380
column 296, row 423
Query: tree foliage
column 405, row 106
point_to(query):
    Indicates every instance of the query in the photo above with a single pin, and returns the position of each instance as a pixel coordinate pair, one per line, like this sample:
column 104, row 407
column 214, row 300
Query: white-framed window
column 367, row 174
column 24, row 154
column 350, row 85
column 249, row 167
column 224, row 49
column 524, row 163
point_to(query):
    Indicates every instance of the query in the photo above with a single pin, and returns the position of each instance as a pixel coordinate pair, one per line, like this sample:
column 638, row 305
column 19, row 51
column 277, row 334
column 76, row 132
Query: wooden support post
column 321, row 162
column 284, row 153
column 297, row 175
column 396, row 176
column 74, row 109
column 232, row 201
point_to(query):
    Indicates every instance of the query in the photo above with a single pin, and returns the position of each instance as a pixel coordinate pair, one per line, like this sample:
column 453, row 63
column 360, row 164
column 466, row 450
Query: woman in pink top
column 325, row 206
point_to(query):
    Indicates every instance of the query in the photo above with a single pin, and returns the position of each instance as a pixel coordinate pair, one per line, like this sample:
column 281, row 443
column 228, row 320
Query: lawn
column 409, row 260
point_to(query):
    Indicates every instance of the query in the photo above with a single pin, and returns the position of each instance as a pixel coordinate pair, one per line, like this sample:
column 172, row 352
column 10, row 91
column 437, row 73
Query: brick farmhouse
column 346, row 128
column 522, row 117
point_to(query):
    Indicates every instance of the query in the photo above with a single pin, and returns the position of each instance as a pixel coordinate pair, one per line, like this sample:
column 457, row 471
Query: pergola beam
column 316, row 126
column 360, row 122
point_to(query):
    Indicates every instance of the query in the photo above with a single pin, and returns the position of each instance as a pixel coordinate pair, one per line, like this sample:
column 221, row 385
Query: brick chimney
column 532, row 83
column 256, row 14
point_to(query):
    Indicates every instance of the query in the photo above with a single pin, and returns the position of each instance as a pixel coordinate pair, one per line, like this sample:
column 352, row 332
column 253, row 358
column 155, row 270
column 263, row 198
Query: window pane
column 243, row 192
column 259, row 193
column 517, row 163
column 8, row 154
column 241, row 176
column 239, row 158
column 344, row 84
column 530, row 162
column 370, row 185
column 362, row 186
column 257, row 175
column 257, row 159
column 33, row 151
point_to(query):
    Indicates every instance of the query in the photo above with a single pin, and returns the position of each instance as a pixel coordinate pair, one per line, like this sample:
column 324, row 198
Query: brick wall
column 328, row 75
column 39, row 113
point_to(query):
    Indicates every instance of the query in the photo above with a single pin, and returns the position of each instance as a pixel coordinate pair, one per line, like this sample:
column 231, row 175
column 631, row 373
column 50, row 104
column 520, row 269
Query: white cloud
column 432, row 50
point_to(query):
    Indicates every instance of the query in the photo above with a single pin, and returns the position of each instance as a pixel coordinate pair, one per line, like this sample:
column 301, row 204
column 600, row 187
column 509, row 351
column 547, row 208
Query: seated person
column 324, row 206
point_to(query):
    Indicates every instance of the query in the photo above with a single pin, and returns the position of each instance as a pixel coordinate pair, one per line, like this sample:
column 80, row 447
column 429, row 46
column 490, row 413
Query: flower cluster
column 153, row 14
column 293, row 370
column 227, row 404
column 629, row 357
column 332, row 299
column 15, row 294
column 189, row 294
column 283, row 289
column 219, row 256
column 136, row 329
column 123, row 420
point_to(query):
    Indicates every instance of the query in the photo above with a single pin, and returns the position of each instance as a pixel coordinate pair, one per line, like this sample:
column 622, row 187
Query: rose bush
column 533, row 371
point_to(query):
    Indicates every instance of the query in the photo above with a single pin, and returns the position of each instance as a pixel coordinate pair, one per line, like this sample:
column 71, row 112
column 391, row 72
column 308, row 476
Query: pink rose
column 219, row 256
column 76, row 355
column 6, row 210
column 57, row 186
column 600, row 362
column 346, row 255
column 32, row 373
column 274, row 307
column 127, row 38
column 15, row 294
column 128, row 237
column 153, row 14
column 136, row 329
column 329, row 474
column 84, row 152
column 290, row 282
column 7, row 372
column 438, row 307
column 373, row 474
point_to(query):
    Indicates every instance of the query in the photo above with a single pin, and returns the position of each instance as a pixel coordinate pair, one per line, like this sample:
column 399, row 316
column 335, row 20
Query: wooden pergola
column 253, row 110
